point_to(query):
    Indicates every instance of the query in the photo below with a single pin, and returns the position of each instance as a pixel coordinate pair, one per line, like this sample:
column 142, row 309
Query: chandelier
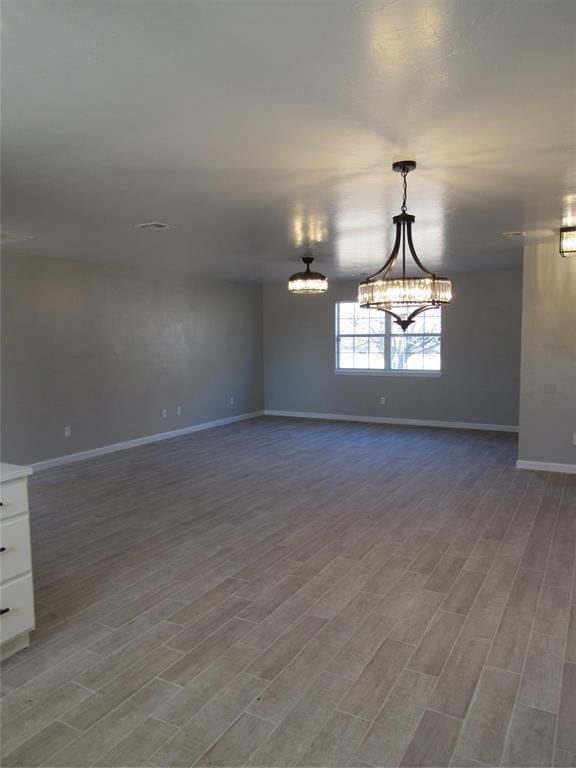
column 308, row 281
column 392, row 294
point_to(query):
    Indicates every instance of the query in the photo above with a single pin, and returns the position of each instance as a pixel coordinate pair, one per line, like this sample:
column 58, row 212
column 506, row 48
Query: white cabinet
column 16, row 590
column 15, row 545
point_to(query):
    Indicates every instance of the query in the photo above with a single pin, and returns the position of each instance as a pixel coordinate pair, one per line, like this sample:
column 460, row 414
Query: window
column 368, row 340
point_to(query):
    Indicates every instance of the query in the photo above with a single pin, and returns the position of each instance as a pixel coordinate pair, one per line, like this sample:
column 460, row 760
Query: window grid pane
column 415, row 353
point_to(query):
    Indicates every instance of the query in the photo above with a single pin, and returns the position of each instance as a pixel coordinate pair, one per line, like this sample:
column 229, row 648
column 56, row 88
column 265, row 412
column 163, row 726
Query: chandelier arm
column 418, row 310
column 414, row 254
column 404, row 323
column 404, row 242
column 397, row 318
column 383, row 271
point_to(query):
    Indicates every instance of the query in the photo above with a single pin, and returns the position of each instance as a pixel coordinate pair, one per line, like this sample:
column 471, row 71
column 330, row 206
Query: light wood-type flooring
column 296, row 593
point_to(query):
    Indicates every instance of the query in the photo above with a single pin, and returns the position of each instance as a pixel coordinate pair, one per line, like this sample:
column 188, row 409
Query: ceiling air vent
column 154, row 225
column 13, row 237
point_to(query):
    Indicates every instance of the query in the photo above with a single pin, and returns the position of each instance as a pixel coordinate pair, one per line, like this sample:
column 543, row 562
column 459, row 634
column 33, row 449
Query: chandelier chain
column 404, row 175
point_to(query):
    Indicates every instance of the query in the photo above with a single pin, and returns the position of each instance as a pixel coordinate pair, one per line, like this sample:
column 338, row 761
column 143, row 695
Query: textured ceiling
column 253, row 126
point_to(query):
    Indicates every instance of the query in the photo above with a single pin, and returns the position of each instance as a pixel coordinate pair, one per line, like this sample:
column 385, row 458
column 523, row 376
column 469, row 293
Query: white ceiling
column 249, row 124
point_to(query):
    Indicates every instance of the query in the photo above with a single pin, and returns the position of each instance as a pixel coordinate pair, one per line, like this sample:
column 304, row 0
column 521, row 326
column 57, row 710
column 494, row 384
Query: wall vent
column 154, row 225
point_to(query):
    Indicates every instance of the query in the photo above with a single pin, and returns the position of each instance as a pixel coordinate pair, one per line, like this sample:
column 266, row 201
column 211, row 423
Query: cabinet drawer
column 14, row 498
column 18, row 597
column 14, row 548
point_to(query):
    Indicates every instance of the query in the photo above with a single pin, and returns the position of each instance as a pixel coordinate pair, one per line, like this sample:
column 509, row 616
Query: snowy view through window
column 370, row 340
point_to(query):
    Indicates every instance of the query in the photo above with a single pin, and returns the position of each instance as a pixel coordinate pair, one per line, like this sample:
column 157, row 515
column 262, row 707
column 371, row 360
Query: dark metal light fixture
column 568, row 241
column 308, row 281
column 391, row 294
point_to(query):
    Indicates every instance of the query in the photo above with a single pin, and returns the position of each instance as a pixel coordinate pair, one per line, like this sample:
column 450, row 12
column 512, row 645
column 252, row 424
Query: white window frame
column 389, row 331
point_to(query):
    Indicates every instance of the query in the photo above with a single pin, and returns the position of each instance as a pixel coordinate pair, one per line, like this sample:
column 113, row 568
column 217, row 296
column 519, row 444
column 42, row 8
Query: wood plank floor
column 294, row 593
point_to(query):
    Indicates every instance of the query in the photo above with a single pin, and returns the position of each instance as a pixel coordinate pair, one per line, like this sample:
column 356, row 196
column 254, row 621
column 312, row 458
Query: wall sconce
column 568, row 241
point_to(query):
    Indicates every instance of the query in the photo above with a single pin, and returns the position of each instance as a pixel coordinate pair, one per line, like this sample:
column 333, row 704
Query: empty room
column 288, row 383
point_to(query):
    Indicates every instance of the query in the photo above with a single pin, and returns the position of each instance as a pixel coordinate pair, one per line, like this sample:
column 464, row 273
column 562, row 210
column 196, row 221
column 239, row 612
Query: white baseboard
column 104, row 449
column 386, row 420
column 546, row 466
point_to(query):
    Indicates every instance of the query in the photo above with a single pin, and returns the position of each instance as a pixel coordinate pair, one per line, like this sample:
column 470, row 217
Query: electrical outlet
column 382, row 400
column 231, row 399
column 164, row 413
column 67, row 431
column 179, row 410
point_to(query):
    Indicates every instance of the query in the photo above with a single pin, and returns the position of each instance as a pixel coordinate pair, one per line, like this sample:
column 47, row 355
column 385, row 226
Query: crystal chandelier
column 390, row 294
column 308, row 281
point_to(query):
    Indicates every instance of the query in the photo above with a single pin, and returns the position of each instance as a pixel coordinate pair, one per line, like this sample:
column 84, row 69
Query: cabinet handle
column 2, row 549
column 3, row 611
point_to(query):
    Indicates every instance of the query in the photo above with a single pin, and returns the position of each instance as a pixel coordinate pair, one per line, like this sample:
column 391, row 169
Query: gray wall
column 548, row 385
column 104, row 350
column 481, row 357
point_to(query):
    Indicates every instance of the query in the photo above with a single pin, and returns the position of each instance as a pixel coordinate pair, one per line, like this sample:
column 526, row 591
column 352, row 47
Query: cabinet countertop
column 13, row 472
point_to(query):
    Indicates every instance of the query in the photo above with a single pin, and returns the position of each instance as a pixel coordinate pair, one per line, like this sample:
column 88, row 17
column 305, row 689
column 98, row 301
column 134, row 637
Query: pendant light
column 308, row 281
column 568, row 241
column 426, row 290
